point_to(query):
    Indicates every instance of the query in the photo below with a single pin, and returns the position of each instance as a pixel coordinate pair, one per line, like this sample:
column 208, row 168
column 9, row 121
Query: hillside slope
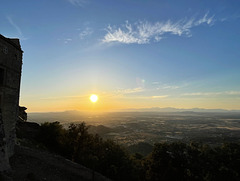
column 32, row 164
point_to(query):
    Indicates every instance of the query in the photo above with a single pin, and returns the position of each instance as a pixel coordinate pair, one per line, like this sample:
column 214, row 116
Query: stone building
column 10, row 75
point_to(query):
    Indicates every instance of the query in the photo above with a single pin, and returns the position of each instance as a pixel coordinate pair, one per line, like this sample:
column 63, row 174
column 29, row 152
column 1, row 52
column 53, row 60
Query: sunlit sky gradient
column 131, row 53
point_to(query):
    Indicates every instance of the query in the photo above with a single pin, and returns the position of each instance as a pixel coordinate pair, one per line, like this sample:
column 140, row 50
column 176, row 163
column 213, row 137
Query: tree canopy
column 167, row 161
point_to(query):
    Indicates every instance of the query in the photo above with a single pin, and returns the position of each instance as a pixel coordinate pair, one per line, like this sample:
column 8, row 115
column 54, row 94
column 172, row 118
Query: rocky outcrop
column 22, row 115
column 32, row 161
column 32, row 164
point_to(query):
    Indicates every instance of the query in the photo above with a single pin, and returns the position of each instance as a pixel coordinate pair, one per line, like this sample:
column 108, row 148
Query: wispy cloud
column 17, row 28
column 64, row 97
column 170, row 87
column 67, row 40
column 124, row 93
column 86, row 32
column 205, row 19
column 155, row 83
column 159, row 97
column 147, row 97
column 236, row 93
column 130, row 91
column 142, row 97
column 143, row 32
column 202, row 94
column 233, row 93
column 80, row 3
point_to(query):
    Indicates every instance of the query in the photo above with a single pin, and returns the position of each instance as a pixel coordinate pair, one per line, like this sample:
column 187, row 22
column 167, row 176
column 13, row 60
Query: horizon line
column 149, row 109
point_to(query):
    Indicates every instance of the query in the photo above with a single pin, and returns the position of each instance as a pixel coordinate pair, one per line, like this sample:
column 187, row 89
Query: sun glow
column 94, row 98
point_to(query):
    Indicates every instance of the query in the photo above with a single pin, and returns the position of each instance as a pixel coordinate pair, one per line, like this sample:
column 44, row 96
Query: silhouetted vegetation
column 76, row 144
column 167, row 161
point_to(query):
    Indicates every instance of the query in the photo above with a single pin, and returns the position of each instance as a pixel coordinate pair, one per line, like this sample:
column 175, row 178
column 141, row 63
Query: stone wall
column 4, row 162
column 10, row 75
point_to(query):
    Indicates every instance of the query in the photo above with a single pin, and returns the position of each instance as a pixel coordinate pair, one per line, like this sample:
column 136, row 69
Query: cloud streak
column 159, row 97
column 17, row 28
column 80, row 3
column 130, row 91
column 67, row 40
column 230, row 93
column 86, row 32
column 144, row 32
column 64, row 97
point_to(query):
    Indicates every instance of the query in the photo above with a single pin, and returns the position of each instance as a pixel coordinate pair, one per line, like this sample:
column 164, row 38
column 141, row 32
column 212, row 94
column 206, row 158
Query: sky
column 131, row 53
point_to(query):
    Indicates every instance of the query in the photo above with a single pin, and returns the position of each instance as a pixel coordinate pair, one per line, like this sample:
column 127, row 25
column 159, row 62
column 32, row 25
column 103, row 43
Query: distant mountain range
column 79, row 114
column 171, row 109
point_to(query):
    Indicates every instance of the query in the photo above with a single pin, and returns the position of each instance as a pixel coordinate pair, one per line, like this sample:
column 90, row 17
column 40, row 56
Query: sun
column 93, row 98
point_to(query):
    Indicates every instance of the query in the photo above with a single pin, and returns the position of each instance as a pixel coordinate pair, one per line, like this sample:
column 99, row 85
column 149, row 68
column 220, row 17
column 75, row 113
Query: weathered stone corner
column 10, row 76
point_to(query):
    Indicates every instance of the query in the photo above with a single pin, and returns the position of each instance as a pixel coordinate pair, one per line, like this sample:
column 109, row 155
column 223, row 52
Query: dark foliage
column 167, row 161
column 141, row 148
column 77, row 144
column 180, row 161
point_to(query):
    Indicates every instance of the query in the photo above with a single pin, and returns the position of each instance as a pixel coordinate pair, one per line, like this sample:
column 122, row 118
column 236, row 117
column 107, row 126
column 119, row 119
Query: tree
column 52, row 135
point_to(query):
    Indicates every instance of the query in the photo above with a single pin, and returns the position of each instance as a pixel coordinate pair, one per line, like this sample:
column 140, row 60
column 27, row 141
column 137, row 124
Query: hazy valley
column 131, row 128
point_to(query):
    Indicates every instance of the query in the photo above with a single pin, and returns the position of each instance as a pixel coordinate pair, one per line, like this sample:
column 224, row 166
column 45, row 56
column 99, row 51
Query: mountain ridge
column 151, row 109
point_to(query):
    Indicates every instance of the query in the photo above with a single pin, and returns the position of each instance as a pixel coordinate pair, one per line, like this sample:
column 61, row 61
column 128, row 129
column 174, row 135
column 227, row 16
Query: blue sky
column 132, row 53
